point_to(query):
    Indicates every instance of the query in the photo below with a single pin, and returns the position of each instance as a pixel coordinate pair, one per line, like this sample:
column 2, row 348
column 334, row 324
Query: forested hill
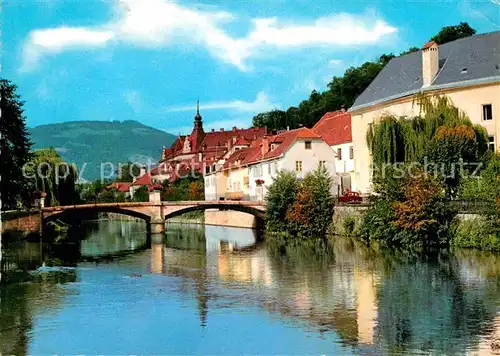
column 94, row 142
column 343, row 90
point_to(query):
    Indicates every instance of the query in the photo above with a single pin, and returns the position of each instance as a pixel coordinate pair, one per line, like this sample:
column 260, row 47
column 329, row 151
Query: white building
column 335, row 129
column 299, row 151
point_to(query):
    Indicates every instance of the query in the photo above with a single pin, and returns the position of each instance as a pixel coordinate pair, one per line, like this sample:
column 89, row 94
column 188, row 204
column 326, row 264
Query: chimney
column 342, row 108
column 143, row 171
column 234, row 128
column 288, row 128
column 430, row 62
column 229, row 144
column 221, row 130
column 300, row 125
column 265, row 145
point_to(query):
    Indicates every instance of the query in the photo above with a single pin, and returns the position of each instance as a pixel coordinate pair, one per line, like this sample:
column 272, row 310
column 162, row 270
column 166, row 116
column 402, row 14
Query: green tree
column 127, row 172
column 49, row 173
column 141, row 194
column 452, row 33
column 410, row 50
column 15, row 148
column 312, row 211
column 280, row 196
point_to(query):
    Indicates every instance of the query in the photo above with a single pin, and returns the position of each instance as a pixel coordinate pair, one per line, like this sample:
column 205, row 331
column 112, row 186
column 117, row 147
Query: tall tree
column 15, row 147
column 452, row 33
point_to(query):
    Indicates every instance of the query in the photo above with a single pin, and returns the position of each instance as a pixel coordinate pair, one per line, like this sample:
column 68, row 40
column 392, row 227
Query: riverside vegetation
column 423, row 166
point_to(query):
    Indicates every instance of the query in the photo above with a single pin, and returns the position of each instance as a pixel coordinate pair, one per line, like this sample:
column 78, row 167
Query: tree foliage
column 15, row 148
column 452, row 33
column 49, row 173
column 301, row 208
column 418, row 216
column 280, row 196
column 440, row 138
column 128, row 172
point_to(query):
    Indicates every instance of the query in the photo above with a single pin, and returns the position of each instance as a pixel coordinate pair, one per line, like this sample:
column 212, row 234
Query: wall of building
column 310, row 159
column 238, row 181
column 345, row 164
column 230, row 218
column 470, row 100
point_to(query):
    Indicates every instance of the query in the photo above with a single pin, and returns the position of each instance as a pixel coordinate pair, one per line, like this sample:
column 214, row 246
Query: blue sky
column 149, row 60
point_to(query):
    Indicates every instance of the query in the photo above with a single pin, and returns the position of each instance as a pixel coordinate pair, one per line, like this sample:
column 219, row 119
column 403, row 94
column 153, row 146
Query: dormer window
column 464, row 71
column 307, row 145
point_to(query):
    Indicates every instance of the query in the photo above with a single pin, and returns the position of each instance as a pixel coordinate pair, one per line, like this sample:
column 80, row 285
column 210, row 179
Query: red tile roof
column 144, row 180
column 429, row 44
column 334, row 128
column 286, row 139
column 120, row 186
column 239, row 157
column 241, row 141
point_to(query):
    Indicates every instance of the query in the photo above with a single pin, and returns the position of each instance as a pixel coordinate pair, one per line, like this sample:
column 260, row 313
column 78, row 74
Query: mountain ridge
column 98, row 142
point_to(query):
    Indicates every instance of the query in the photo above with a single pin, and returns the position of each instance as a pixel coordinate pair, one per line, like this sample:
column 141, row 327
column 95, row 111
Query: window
column 491, row 143
column 269, row 169
column 351, row 152
column 308, row 145
column 487, row 112
column 207, row 169
column 339, row 153
column 322, row 164
column 298, row 166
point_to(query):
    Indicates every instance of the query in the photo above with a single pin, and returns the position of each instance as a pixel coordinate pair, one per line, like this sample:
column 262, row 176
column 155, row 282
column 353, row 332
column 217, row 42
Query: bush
column 311, row 213
column 349, row 226
column 301, row 208
column 141, row 194
column 476, row 233
column 280, row 196
column 421, row 217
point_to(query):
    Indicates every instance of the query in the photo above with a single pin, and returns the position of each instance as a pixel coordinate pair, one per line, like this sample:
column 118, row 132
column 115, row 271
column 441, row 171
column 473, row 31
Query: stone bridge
column 154, row 213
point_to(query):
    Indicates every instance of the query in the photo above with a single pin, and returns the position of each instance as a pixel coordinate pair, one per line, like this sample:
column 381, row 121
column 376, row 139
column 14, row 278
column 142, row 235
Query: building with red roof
column 203, row 152
column 247, row 172
column 335, row 128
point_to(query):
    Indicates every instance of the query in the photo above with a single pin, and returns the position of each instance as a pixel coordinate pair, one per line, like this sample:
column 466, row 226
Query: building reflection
column 338, row 298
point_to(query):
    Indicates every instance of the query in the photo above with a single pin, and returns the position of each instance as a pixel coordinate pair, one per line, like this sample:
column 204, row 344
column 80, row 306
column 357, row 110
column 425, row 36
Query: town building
column 466, row 70
column 248, row 172
column 200, row 152
column 335, row 129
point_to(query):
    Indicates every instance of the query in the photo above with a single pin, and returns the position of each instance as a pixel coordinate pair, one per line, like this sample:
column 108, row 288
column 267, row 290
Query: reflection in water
column 335, row 298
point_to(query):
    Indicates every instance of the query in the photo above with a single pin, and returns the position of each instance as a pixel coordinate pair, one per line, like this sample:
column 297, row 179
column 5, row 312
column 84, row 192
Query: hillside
column 93, row 142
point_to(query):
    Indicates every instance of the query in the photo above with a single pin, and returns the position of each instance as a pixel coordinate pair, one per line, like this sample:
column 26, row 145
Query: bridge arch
column 80, row 212
column 258, row 213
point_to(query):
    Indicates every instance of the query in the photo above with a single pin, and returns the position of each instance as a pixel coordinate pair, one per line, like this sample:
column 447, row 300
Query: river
column 217, row 290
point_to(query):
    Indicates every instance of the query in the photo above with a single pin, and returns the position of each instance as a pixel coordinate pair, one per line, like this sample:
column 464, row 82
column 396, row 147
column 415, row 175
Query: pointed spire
column 198, row 106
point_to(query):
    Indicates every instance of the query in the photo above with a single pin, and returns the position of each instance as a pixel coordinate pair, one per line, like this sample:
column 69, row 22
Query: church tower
column 197, row 135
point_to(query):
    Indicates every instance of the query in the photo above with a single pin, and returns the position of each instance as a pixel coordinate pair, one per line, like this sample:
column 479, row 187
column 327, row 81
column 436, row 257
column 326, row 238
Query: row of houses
column 241, row 163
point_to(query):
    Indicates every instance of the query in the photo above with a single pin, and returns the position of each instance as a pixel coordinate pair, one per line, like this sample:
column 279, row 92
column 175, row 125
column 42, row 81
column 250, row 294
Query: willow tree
column 401, row 139
column 49, row 173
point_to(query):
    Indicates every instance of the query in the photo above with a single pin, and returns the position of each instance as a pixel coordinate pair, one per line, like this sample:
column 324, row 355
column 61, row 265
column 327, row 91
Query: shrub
column 280, row 196
column 475, row 233
column 312, row 211
column 349, row 226
column 421, row 217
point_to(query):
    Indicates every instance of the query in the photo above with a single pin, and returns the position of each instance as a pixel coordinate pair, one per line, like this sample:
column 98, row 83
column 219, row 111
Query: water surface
column 215, row 290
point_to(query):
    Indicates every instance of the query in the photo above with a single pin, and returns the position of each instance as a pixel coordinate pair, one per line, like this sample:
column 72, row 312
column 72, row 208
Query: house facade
column 247, row 173
column 335, row 129
column 201, row 152
column 466, row 71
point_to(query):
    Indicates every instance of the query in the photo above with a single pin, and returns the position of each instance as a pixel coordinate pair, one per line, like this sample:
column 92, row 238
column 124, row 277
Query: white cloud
column 55, row 40
column 133, row 99
column 155, row 23
column 261, row 103
column 335, row 62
